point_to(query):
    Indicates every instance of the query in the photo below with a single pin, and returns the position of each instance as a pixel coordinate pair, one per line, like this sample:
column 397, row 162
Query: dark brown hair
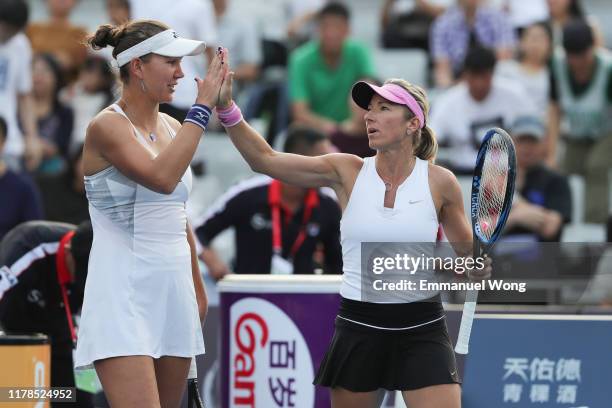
column 125, row 36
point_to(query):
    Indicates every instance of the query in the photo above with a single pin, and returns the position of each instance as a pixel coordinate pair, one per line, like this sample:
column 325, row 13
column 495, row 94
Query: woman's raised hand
column 225, row 96
column 210, row 87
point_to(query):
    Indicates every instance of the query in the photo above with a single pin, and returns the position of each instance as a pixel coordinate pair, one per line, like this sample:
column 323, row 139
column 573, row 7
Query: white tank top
column 365, row 219
column 124, row 212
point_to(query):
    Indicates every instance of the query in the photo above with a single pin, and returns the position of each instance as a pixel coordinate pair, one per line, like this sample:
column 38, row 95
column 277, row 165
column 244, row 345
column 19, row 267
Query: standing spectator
column 581, row 101
column 406, row 23
column 20, row 201
column 190, row 19
column 464, row 26
column 16, row 87
column 63, row 195
column 54, row 119
column 243, row 42
column 463, row 113
column 562, row 12
column 531, row 71
column 60, row 37
column 322, row 72
column 543, row 202
column 93, row 92
column 306, row 219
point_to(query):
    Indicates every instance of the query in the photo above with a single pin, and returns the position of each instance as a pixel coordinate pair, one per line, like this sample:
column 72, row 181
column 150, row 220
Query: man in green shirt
column 322, row 72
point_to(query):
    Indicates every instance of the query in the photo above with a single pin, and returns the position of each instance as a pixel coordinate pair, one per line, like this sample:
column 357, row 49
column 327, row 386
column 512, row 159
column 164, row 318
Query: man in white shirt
column 16, row 86
column 191, row 19
column 463, row 113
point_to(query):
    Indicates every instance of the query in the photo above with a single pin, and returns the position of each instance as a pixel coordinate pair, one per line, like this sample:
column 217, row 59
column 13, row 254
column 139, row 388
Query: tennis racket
column 491, row 200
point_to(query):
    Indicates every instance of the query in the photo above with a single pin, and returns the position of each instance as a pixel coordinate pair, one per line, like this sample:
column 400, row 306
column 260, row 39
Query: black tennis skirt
column 362, row 358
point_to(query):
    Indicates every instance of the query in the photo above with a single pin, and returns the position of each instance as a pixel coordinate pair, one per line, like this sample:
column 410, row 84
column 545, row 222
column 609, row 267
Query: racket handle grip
column 465, row 329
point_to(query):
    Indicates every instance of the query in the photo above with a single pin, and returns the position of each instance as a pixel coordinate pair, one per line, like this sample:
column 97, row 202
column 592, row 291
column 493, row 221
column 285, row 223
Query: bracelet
column 198, row 115
column 230, row 116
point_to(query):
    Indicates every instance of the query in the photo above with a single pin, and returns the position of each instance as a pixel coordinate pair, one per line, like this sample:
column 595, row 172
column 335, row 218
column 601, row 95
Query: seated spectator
column 22, row 141
column 20, row 200
column 406, row 23
column 562, row 12
column 54, row 119
column 463, row 26
column 352, row 135
column 60, row 37
column 581, row 100
column 279, row 228
column 93, row 91
column 190, row 19
column 118, row 11
column 242, row 41
column 321, row 73
column 531, row 70
column 302, row 15
column 63, row 194
column 462, row 114
column 543, row 202
column 523, row 13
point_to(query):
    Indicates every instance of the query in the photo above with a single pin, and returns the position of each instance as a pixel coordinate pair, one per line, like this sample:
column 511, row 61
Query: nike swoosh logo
column 453, row 373
column 414, row 201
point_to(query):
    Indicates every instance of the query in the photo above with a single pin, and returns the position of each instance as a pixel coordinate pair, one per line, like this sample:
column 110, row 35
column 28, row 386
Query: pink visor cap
column 362, row 93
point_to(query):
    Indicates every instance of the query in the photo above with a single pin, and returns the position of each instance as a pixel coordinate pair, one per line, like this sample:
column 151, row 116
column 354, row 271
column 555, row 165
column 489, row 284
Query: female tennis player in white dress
column 140, row 325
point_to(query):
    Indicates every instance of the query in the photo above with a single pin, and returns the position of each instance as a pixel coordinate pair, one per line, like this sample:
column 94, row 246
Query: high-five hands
column 225, row 95
column 209, row 88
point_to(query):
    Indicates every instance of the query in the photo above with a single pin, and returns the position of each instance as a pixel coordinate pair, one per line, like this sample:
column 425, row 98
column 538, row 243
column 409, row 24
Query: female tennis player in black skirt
column 396, row 196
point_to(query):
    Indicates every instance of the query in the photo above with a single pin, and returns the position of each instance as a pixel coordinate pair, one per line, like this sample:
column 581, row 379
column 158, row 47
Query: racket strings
column 493, row 182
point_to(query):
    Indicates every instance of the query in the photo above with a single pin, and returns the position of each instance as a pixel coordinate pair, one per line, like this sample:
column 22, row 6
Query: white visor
column 166, row 43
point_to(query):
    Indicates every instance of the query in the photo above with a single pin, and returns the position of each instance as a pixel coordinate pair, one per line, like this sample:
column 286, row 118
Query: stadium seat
column 409, row 64
column 583, row 232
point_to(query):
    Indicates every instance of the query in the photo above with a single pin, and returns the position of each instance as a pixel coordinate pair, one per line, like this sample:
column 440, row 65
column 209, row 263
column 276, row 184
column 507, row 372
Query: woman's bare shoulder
column 442, row 179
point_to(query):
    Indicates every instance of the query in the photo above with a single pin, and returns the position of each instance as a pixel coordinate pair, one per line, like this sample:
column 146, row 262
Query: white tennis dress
column 139, row 296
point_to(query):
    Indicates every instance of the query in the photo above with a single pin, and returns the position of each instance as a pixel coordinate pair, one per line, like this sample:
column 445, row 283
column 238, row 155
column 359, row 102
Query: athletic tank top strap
column 171, row 131
column 139, row 135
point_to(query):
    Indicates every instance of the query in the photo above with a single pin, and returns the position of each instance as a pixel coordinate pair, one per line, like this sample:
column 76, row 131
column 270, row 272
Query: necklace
column 388, row 184
column 123, row 105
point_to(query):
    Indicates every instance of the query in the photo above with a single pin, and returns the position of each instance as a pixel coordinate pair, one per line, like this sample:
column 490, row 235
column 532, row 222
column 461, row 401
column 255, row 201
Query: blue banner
column 539, row 361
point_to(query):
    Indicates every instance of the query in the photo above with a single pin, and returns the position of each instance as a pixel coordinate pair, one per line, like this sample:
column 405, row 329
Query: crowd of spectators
column 539, row 69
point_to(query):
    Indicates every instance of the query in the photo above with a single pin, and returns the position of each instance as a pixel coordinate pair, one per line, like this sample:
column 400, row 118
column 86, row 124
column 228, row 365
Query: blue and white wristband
column 198, row 115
